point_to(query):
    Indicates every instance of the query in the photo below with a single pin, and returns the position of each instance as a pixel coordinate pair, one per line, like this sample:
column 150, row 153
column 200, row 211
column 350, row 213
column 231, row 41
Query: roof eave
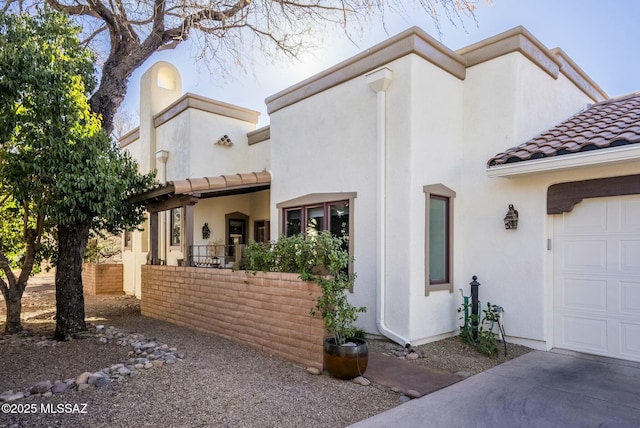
column 600, row 157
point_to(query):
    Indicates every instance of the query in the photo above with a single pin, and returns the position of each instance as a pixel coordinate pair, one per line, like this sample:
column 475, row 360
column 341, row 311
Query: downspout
column 379, row 81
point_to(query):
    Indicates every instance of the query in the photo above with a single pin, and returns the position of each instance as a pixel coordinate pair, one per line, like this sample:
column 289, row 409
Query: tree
column 125, row 33
column 60, row 173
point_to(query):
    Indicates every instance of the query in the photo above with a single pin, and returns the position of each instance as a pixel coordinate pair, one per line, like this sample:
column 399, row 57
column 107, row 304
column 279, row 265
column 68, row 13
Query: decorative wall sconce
column 206, row 232
column 511, row 219
column 224, row 141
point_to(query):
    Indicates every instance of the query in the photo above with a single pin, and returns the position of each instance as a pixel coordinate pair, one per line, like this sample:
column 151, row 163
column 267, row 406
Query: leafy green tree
column 59, row 170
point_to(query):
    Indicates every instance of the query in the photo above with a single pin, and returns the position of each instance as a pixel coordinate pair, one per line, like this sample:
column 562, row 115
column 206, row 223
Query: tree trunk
column 72, row 242
column 13, row 301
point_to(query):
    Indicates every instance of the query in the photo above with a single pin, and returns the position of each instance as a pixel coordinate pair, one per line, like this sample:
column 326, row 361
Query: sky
column 602, row 37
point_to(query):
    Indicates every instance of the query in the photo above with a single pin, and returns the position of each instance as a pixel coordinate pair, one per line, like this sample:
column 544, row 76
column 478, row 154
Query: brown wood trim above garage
column 563, row 197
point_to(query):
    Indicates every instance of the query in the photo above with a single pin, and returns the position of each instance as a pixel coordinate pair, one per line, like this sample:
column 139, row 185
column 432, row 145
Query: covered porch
column 205, row 222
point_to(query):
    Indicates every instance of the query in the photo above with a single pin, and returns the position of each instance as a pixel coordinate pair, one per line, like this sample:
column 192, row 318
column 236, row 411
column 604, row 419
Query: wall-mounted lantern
column 511, row 219
column 206, row 232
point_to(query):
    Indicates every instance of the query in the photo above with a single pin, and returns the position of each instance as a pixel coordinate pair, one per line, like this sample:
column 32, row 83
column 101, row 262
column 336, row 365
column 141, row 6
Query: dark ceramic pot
column 345, row 361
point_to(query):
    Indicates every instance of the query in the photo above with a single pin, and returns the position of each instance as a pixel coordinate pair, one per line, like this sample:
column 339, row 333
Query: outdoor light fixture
column 206, row 232
column 511, row 219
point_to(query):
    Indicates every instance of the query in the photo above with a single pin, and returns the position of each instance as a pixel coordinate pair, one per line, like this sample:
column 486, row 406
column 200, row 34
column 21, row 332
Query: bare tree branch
column 125, row 33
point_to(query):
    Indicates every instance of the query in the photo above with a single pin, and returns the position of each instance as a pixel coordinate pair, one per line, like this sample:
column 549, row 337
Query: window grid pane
column 176, row 231
column 315, row 220
column 293, row 223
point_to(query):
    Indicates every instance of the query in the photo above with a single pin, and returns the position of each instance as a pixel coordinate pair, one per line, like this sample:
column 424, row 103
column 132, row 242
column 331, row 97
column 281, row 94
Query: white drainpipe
column 379, row 81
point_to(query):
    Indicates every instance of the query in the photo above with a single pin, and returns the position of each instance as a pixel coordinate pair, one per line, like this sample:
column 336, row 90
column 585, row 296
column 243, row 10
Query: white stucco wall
column 190, row 140
column 326, row 143
column 434, row 157
column 508, row 101
column 318, row 149
column 440, row 130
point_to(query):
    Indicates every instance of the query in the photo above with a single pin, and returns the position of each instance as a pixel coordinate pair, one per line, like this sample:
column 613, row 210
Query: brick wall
column 102, row 278
column 269, row 311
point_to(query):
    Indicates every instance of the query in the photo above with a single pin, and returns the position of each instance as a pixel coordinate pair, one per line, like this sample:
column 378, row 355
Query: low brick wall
column 103, row 278
column 269, row 311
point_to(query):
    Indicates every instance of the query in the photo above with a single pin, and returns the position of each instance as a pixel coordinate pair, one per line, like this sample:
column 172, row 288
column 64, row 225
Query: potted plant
column 345, row 356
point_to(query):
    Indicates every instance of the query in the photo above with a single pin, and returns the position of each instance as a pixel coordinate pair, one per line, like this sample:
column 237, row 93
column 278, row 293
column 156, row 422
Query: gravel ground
column 219, row 383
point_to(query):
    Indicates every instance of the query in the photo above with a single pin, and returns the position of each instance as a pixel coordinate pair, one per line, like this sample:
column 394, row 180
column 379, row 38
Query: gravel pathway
column 219, row 383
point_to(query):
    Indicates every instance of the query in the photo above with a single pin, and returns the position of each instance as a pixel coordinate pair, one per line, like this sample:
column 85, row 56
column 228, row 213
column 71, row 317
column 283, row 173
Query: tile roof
column 611, row 123
column 205, row 187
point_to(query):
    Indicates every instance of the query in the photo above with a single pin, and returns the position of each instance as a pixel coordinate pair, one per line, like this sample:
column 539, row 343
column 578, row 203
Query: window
column 331, row 216
column 261, row 232
column 320, row 211
column 317, row 212
column 438, row 238
column 176, row 226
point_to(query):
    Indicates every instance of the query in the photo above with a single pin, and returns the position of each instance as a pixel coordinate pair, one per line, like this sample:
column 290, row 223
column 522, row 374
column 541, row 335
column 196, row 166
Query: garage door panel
column 630, row 256
column 630, row 298
column 597, row 277
column 585, row 255
column 584, row 294
column 586, row 218
column 630, row 340
column 630, row 215
column 585, row 333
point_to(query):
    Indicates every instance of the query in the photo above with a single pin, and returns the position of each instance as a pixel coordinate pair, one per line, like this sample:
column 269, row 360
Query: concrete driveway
column 539, row 389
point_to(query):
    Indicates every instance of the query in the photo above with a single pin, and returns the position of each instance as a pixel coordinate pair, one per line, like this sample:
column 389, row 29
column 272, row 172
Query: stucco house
column 416, row 152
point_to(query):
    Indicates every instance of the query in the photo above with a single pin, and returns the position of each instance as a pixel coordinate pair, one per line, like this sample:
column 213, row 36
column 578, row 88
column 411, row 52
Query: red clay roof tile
column 610, row 123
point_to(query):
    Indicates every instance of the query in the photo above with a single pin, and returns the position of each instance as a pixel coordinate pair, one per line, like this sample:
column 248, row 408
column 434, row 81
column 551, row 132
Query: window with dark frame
column 261, row 232
column 331, row 216
column 176, row 227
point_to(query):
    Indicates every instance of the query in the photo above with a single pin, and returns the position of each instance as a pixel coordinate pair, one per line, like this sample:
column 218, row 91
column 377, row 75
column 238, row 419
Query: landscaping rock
column 413, row 394
column 94, row 378
column 83, row 378
column 8, row 396
column 42, row 387
column 102, row 381
column 314, row 371
column 361, row 381
column 59, row 387
column 147, row 354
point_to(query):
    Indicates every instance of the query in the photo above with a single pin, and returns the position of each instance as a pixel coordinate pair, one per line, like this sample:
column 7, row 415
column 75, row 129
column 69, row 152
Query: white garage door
column 597, row 277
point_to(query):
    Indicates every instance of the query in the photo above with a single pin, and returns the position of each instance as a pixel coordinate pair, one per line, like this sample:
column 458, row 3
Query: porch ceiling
column 206, row 187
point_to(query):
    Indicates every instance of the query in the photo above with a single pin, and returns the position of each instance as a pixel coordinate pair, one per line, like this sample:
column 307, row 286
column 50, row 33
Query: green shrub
column 321, row 258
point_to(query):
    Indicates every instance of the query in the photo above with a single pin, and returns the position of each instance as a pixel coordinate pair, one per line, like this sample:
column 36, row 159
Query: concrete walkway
column 539, row 389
